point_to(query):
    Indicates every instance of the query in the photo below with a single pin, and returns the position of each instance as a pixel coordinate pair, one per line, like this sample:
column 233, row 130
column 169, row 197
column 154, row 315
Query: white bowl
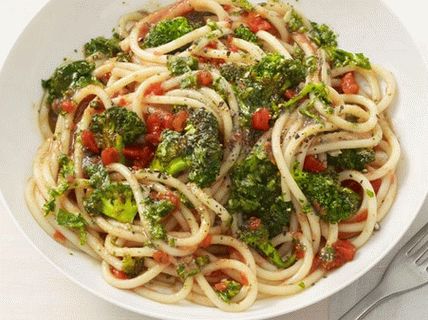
column 62, row 26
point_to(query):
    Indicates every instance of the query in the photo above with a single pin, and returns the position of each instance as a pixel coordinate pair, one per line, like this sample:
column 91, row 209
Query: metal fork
column 407, row 271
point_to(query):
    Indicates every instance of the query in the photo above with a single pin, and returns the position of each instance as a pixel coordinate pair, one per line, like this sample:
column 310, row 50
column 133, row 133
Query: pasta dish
column 216, row 151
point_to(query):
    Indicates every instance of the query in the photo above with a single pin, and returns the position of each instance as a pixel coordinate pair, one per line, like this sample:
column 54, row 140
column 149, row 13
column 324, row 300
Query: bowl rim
column 272, row 313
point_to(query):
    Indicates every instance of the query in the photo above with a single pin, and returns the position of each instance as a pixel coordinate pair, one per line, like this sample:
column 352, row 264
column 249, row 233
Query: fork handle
column 379, row 294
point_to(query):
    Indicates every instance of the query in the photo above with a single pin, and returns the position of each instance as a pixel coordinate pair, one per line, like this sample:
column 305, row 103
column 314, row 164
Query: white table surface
column 31, row 288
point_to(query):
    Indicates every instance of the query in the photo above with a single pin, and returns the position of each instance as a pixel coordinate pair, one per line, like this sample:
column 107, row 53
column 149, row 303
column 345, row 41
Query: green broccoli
column 256, row 191
column 264, row 84
column 167, row 31
column 258, row 238
column 67, row 78
column 352, row 159
column 72, row 221
column 231, row 289
column 332, row 202
column 243, row 4
column 233, row 72
column 342, row 58
column 320, row 92
column 117, row 127
column 98, row 175
column 323, row 35
column 154, row 212
column 132, row 266
column 102, row 46
column 179, row 65
column 114, row 200
column 197, row 151
column 245, row 33
column 295, row 24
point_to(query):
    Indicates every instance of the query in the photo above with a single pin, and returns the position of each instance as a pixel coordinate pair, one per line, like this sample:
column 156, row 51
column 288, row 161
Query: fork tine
column 422, row 256
column 409, row 248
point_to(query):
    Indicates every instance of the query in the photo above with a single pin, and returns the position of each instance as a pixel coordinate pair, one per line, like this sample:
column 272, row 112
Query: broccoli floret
column 233, row 72
column 332, row 202
column 66, row 166
column 154, row 212
column 132, row 266
column 318, row 89
column 266, row 82
column 179, row 65
column 295, row 24
column 72, row 221
column 229, row 290
column 256, row 191
column 67, row 78
column 107, row 47
column 258, row 238
column 322, row 35
column 341, row 58
column 245, row 33
column 98, row 175
column 116, row 127
column 243, row 4
column 353, row 159
column 167, row 31
column 197, row 151
column 114, row 200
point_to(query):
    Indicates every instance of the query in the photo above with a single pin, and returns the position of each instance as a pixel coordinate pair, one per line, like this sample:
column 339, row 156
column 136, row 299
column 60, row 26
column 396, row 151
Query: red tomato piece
column 154, row 122
column 118, row 274
column 88, row 141
column 360, row 217
column 167, row 119
column 122, row 102
column 206, row 242
column 345, row 249
column 110, row 155
column 58, row 236
column 260, row 119
column 376, row 185
column 348, row 84
column 68, row 106
column 256, row 22
column 154, row 137
column 161, row 257
column 179, row 122
column 299, row 250
column 254, row 223
column 315, row 263
column 231, row 46
column 244, row 279
column 221, row 286
column 170, row 196
column 212, row 45
column 290, row 93
column 154, row 89
column 312, row 164
column 205, row 78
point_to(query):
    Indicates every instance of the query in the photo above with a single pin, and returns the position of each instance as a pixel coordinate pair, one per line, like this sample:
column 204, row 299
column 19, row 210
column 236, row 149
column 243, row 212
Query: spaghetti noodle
column 216, row 151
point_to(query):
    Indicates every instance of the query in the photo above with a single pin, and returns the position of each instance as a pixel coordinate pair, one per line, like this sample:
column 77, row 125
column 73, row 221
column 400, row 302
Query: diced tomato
column 227, row 7
column 260, row 119
column 212, row 44
column 122, row 102
column 290, row 93
column 154, row 137
column 118, row 274
column 88, row 141
column 348, row 84
column 155, row 89
column 344, row 251
column 299, row 250
column 110, row 155
column 347, row 235
column 179, row 121
column 362, row 216
column 161, row 257
column 105, row 77
column 154, row 122
column 205, row 78
column 315, row 263
column 312, row 164
column 58, row 236
column 353, row 185
column 256, row 22
column 213, row 61
column 244, row 279
column 170, row 196
column 68, row 106
column 140, row 155
column 206, row 242
column 231, row 46
column 221, row 286
column 167, row 120
column 254, row 223
column 376, row 185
